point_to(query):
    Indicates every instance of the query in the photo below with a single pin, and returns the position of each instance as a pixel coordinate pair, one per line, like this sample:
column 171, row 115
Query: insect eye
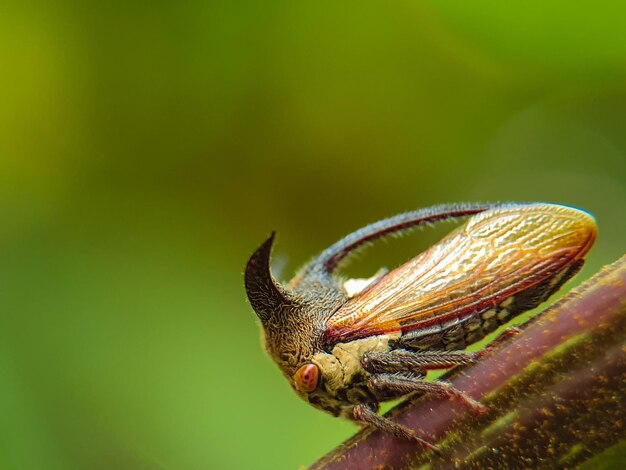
column 306, row 377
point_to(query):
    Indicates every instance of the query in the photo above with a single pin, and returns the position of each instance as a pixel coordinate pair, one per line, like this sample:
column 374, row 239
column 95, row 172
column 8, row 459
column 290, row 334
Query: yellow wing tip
column 584, row 224
column 586, row 220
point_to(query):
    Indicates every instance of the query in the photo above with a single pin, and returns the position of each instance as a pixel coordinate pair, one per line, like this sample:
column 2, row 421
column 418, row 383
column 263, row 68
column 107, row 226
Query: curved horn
column 264, row 293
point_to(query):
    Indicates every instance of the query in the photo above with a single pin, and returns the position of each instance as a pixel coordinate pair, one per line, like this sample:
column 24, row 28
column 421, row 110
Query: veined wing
column 493, row 256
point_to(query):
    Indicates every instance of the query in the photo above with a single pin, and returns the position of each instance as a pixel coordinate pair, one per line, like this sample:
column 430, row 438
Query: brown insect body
column 344, row 351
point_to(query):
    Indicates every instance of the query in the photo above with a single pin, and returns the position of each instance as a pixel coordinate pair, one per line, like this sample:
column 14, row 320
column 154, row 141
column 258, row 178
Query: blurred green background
column 147, row 148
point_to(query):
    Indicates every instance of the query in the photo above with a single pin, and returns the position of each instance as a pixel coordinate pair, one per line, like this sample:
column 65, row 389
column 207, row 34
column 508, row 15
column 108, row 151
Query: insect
column 347, row 345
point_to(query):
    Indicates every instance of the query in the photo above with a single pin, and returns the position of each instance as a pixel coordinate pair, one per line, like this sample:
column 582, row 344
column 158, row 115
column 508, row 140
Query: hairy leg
column 404, row 383
column 503, row 337
column 415, row 362
column 366, row 413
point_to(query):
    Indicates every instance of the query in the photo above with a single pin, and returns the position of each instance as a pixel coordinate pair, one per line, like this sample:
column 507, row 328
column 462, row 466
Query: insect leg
column 405, row 383
column 507, row 334
column 366, row 413
column 417, row 362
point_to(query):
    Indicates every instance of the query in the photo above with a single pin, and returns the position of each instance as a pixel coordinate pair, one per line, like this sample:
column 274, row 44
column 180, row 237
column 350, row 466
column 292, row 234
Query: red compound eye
column 306, row 377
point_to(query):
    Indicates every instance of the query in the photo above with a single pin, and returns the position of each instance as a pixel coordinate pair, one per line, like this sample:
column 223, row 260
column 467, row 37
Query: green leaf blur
column 147, row 148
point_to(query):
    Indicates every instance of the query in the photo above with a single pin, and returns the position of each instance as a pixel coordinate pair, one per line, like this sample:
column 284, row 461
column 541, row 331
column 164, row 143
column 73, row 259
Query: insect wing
column 493, row 256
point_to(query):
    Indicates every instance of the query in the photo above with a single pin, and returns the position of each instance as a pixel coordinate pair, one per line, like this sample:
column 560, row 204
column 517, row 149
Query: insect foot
column 445, row 389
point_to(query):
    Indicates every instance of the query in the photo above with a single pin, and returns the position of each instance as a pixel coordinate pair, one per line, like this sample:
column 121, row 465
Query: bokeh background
column 147, row 148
